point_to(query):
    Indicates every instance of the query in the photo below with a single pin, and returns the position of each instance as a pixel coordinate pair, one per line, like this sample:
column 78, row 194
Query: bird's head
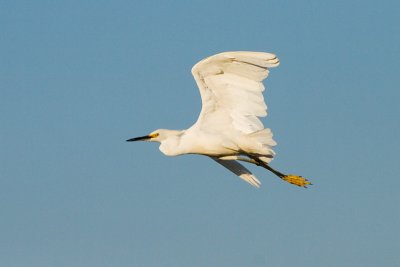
column 156, row 136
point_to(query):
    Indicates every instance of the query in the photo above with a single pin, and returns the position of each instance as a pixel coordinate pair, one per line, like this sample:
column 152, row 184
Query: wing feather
column 231, row 89
column 240, row 171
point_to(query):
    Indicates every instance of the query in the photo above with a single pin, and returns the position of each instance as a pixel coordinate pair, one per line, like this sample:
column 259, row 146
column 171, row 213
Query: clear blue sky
column 77, row 78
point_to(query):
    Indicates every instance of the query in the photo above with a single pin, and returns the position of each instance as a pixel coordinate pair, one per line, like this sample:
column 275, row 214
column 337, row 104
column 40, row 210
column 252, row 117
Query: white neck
column 170, row 145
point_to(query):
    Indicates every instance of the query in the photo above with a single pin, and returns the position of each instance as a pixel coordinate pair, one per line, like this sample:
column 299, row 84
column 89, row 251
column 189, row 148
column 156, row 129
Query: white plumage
column 230, row 87
column 228, row 128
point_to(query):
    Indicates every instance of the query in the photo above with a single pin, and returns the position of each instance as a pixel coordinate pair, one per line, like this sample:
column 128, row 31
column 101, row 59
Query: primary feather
column 240, row 171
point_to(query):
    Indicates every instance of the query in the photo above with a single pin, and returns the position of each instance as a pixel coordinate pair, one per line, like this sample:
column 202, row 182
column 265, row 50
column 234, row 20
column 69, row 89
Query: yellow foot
column 297, row 180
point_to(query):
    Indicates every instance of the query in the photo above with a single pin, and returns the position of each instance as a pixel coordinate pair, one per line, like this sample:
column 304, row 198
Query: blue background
column 78, row 78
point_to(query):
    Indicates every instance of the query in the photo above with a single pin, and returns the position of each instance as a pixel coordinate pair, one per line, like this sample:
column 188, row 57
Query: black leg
column 290, row 178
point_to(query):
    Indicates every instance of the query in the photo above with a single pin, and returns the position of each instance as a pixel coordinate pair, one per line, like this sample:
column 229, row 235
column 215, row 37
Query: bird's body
column 200, row 142
column 190, row 142
column 228, row 128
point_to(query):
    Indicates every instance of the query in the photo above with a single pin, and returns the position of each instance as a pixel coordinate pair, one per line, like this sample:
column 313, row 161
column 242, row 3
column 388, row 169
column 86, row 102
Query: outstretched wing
column 239, row 170
column 231, row 89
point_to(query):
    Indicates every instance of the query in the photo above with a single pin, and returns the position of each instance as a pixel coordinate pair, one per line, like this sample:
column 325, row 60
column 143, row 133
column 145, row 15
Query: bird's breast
column 206, row 144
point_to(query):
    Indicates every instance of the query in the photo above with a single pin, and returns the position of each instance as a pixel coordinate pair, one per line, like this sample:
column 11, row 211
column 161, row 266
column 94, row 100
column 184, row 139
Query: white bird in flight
column 228, row 129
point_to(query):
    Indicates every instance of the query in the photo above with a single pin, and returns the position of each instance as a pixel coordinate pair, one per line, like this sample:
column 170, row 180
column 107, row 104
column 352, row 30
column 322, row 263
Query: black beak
column 140, row 138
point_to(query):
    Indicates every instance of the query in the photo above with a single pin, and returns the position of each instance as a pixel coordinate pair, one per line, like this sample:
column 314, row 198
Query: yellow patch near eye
column 154, row 135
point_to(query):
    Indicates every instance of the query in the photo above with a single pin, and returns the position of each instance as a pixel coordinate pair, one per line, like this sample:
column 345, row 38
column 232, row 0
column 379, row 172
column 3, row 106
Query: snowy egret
column 228, row 129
